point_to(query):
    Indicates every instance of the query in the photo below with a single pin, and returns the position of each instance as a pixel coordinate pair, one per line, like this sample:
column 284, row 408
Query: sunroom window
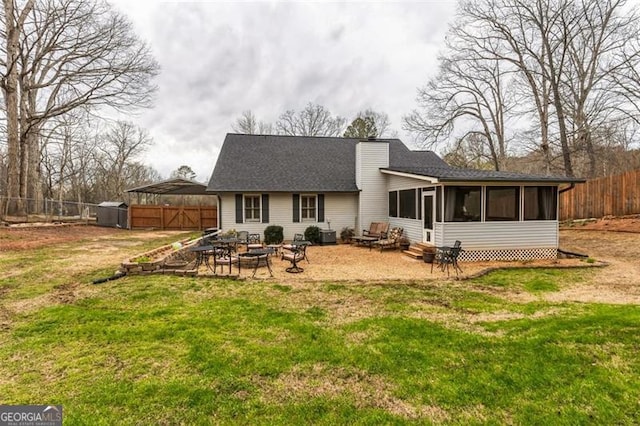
column 462, row 203
column 503, row 203
column 540, row 203
column 408, row 203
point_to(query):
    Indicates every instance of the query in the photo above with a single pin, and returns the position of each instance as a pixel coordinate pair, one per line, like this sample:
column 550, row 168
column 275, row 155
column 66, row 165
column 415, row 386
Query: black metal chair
column 446, row 256
column 253, row 242
column 296, row 254
column 292, row 246
column 225, row 256
column 242, row 237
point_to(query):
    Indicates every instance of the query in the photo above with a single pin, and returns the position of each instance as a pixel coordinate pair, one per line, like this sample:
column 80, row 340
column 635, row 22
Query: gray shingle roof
column 455, row 174
column 284, row 164
column 270, row 163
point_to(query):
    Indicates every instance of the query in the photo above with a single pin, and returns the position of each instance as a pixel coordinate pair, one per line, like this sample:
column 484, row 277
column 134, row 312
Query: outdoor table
column 259, row 254
column 368, row 241
column 202, row 255
column 276, row 247
column 444, row 256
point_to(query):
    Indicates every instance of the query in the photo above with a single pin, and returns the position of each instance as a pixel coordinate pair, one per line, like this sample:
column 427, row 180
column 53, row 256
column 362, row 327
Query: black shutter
column 239, row 209
column 320, row 207
column 419, row 203
column 296, row 208
column 265, row 208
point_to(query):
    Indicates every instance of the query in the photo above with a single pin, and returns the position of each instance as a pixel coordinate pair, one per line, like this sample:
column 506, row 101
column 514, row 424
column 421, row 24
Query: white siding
column 500, row 235
column 396, row 183
column 412, row 228
column 370, row 157
column 341, row 209
column 438, row 238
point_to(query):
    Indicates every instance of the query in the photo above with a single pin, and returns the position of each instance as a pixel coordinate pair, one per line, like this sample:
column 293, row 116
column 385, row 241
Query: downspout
column 219, row 212
column 560, row 191
column 568, row 188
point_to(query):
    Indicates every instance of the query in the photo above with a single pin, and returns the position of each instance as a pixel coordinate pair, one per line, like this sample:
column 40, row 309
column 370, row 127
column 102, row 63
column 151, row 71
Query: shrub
column 346, row 234
column 312, row 234
column 273, row 234
column 231, row 233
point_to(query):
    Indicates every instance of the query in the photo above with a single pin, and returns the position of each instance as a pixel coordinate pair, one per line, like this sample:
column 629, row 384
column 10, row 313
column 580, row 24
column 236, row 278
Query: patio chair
column 390, row 240
column 225, row 256
column 242, row 237
column 290, row 246
column 253, row 242
column 376, row 230
column 296, row 255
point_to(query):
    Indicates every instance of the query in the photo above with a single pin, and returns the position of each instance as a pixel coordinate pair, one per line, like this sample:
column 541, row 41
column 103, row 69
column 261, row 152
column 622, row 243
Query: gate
column 173, row 217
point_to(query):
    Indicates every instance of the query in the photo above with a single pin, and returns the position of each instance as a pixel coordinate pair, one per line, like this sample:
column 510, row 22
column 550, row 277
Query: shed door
column 428, row 215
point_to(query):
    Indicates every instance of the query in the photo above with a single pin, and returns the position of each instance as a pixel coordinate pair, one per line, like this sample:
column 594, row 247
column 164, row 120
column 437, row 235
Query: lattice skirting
column 508, row 254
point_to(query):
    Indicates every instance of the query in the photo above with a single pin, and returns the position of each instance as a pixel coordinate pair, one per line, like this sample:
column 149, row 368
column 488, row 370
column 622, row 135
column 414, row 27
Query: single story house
column 331, row 182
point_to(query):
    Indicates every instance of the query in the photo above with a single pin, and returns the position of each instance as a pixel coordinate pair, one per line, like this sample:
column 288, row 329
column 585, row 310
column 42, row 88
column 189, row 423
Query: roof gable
column 270, row 163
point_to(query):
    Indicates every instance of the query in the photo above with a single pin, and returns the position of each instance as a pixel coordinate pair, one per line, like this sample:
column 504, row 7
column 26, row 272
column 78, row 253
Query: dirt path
column 617, row 283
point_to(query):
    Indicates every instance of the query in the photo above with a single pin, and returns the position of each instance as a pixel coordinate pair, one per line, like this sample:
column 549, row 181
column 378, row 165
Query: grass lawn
column 170, row 350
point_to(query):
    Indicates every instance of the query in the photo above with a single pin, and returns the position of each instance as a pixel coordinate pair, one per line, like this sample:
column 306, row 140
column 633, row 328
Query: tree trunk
column 13, row 28
column 10, row 88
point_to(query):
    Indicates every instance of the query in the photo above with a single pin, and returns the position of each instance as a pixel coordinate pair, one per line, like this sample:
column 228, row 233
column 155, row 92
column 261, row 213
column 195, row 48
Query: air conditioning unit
column 327, row 237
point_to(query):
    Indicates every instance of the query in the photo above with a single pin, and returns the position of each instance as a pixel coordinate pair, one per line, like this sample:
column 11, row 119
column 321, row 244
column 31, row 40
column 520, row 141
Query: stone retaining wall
column 163, row 260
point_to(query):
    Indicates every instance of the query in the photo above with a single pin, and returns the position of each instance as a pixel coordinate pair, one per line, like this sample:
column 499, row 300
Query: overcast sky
column 219, row 59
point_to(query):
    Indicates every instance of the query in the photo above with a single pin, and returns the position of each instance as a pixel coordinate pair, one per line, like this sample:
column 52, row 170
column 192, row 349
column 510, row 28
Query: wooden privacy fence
column 608, row 196
column 173, row 217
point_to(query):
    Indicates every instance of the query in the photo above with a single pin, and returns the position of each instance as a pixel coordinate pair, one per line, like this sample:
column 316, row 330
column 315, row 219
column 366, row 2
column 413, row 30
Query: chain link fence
column 46, row 210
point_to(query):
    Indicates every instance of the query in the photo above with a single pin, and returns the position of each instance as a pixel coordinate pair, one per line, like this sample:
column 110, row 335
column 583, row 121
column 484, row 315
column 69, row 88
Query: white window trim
column 315, row 213
column 244, row 208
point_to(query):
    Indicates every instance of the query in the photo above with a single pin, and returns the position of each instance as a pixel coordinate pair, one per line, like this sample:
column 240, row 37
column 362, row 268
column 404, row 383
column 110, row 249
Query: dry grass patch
column 368, row 391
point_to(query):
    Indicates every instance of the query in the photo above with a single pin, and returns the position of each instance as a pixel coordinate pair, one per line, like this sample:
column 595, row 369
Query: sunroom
column 496, row 215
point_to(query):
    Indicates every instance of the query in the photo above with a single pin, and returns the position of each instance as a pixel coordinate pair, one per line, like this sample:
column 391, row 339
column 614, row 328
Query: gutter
column 569, row 188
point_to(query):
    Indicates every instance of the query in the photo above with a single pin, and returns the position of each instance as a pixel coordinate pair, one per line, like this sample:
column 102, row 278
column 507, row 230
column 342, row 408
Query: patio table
column 202, row 255
column 258, row 255
column 444, row 257
column 368, row 241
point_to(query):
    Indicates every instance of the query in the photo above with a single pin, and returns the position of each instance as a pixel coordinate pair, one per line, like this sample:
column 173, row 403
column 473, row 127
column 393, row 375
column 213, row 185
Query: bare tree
column 117, row 153
column 470, row 152
column 248, row 124
column 71, row 54
column 470, row 96
column 313, row 120
column 598, row 70
column 570, row 62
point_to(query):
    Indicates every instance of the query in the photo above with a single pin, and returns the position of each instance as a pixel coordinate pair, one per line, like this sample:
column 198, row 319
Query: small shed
column 113, row 214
